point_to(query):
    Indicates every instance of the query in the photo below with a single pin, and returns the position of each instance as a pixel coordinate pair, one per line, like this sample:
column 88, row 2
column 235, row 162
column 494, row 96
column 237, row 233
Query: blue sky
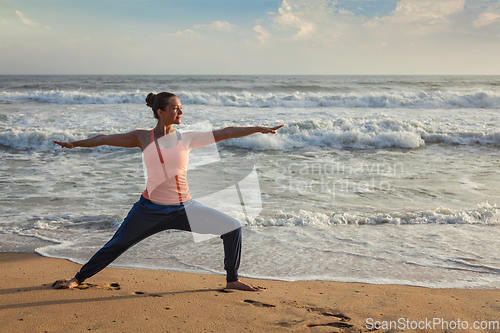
column 250, row 37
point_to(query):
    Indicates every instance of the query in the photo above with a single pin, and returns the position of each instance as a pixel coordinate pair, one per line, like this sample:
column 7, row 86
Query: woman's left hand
column 69, row 145
column 267, row 130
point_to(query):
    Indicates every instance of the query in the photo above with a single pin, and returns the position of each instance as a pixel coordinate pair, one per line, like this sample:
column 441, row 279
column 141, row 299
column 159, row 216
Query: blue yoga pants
column 147, row 218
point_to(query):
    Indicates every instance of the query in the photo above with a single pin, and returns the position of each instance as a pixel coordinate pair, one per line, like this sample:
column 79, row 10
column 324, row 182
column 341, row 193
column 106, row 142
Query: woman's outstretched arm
column 202, row 139
column 238, row 132
column 126, row 140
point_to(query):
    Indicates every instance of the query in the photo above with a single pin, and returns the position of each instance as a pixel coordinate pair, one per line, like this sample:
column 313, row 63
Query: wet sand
column 131, row 300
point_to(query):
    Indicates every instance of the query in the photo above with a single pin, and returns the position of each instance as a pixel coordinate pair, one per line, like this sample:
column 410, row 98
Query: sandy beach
column 128, row 300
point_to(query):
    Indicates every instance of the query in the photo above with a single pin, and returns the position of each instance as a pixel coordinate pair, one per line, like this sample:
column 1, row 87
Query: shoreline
column 267, row 278
column 120, row 299
column 35, row 244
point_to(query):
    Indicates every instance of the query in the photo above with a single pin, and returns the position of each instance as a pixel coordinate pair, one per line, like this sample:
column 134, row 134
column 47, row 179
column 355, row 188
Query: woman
column 166, row 202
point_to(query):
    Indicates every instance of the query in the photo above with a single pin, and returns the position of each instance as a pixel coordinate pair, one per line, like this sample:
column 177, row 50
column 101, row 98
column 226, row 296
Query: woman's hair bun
column 150, row 99
column 158, row 101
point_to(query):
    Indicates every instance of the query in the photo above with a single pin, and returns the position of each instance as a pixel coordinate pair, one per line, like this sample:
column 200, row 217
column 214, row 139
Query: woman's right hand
column 266, row 130
column 65, row 144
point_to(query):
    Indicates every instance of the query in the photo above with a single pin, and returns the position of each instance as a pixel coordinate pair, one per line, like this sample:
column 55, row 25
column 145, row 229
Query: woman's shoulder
column 142, row 133
column 196, row 139
column 144, row 137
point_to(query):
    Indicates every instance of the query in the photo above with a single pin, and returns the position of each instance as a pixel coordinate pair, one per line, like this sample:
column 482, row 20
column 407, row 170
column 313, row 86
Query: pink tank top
column 166, row 172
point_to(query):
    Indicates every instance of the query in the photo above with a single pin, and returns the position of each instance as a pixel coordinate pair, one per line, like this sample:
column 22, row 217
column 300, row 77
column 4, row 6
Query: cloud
column 187, row 32
column 218, row 26
column 322, row 22
column 26, row 20
column 29, row 22
column 288, row 18
column 486, row 19
column 295, row 36
column 418, row 17
column 175, row 35
column 263, row 35
column 417, row 36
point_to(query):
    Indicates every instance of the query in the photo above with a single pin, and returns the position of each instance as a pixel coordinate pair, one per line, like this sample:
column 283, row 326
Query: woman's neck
column 163, row 129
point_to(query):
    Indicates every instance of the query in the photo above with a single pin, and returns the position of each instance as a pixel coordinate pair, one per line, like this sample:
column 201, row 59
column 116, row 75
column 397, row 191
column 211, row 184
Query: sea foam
column 375, row 133
column 484, row 214
column 426, row 100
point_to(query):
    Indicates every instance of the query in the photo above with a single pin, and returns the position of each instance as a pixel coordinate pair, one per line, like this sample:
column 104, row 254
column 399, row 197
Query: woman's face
column 173, row 112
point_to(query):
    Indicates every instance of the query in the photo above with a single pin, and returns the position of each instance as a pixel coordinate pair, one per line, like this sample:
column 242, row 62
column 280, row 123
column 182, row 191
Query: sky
column 285, row 37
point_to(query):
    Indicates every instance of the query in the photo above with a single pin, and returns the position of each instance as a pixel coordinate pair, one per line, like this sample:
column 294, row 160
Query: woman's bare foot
column 240, row 286
column 72, row 283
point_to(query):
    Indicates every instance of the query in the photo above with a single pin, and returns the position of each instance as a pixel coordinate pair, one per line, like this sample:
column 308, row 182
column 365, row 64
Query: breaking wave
column 481, row 99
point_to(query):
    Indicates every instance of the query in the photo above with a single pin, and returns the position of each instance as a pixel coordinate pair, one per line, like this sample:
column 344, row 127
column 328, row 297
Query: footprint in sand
column 343, row 322
column 336, row 324
column 259, row 304
column 61, row 284
column 143, row 293
column 326, row 312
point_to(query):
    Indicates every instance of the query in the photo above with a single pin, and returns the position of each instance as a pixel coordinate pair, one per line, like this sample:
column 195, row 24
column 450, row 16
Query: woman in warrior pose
column 166, row 202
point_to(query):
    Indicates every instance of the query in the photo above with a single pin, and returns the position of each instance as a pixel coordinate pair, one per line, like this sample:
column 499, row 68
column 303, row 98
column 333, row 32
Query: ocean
column 374, row 179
